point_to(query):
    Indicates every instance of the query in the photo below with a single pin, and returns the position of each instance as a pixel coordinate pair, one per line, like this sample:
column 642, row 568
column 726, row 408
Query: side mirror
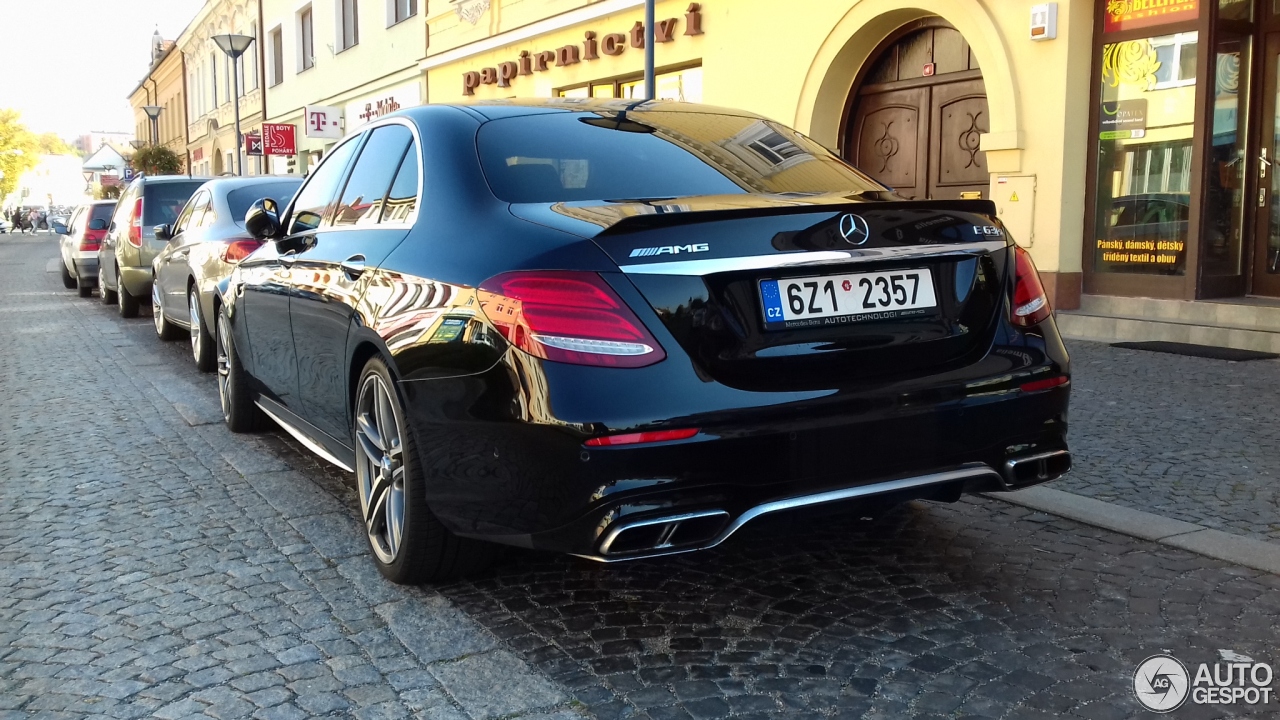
column 98, row 224
column 164, row 232
column 262, row 220
column 59, row 228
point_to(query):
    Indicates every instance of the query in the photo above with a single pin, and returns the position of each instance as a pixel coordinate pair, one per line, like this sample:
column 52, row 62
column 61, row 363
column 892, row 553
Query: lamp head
column 233, row 45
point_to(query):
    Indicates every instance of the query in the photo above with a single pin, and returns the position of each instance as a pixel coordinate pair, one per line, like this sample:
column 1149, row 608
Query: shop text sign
column 323, row 121
column 1123, row 119
column 1130, row 14
column 593, row 46
column 279, row 139
column 367, row 110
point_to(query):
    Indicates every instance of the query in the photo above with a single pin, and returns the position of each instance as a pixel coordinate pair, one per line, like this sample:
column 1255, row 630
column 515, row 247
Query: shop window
column 1146, row 119
column 1222, row 238
column 682, row 85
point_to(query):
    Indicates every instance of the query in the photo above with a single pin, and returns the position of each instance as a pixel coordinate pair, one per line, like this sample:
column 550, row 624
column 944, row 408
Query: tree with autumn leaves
column 19, row 150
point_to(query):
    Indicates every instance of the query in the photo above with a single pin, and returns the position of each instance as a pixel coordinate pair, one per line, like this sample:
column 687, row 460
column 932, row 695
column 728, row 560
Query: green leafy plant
column 157, row 160
column 19, row 150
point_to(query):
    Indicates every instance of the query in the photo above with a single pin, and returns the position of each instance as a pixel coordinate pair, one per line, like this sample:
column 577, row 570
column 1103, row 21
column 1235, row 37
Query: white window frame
column 303, row 62
column 340, row 27
column 275, row 56
column 393, row 7
column 1177, row 42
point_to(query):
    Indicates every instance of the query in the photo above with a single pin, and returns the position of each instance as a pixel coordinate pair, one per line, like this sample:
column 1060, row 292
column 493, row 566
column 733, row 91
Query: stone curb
column 1234, row 549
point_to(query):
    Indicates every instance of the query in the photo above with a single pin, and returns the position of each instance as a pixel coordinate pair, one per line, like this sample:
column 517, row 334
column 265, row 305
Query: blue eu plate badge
column 772, row 299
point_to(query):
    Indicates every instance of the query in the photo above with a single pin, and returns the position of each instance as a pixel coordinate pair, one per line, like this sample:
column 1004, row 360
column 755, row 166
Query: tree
column 107, row 192
column 19, row 151
column 157, row 160
column 51, row 144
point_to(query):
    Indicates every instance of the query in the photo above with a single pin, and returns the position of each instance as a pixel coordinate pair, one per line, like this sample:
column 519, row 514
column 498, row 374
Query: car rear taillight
column 642, row 437
column 1030, row 303
column 92, row 239
column 237, row 250
column 135, row 224
column 1046, row 384
column 569, row 317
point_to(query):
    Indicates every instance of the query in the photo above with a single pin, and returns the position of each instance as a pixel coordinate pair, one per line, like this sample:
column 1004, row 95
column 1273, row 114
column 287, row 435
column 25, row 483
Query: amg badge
column 670, row 250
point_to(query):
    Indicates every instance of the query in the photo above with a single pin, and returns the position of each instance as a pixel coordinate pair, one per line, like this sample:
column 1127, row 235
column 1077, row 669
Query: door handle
column 288, row 258
column 353, row 266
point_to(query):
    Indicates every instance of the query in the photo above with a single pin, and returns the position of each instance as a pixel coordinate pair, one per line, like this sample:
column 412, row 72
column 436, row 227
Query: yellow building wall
column 163, row 87
column 798, row 64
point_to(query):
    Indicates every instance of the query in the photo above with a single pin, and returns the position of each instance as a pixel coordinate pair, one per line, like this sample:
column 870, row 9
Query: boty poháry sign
column 1130, row 14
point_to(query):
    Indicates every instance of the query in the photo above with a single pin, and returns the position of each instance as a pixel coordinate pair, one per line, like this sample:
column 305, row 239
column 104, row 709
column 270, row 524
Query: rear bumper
column 530, row 481
column 86, row 266
column 137, row 280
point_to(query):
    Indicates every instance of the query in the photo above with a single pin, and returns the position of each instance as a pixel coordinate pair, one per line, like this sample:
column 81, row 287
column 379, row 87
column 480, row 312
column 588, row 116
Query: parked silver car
column 81, row 239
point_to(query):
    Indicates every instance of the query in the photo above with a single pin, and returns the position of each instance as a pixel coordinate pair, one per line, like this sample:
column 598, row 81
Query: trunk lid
column 884, row 289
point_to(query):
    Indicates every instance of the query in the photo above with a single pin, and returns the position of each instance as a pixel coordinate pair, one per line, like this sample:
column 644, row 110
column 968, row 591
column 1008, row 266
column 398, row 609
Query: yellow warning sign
column 1014, row 198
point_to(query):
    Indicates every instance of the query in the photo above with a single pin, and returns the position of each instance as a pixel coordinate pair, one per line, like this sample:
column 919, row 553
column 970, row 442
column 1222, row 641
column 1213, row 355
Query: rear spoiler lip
column 801, row 260
column 638, row 223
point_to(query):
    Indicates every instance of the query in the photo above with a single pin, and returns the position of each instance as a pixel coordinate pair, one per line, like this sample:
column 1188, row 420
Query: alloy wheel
column 224, row 365
column 157, row 311
column 193, row 306
column 380, row 471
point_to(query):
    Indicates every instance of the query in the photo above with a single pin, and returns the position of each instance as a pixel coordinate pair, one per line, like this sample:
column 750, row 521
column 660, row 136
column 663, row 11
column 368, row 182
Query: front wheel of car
column 68, row 282
column 128, row 302
column 410, row 545
column 165, row 330
column 238, row 409
column 201, row 344
column 106, row 295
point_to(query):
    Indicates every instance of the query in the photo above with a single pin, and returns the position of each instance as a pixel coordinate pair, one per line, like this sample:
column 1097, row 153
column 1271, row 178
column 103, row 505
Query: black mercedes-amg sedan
column 622, row 330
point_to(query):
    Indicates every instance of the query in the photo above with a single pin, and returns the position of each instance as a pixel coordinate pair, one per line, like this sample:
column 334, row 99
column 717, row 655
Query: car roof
column 228, row 184
column 149, row 179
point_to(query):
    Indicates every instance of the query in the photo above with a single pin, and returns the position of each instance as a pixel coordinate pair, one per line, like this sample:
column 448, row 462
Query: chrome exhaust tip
column 1029, row 470
column 673, row 532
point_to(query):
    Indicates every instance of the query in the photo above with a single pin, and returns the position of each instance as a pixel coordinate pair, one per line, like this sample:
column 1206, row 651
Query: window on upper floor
column 348, row 17
column 275, row 57
column 213, row 80
column 306, row 43
column 250, row 61
column 400, row 10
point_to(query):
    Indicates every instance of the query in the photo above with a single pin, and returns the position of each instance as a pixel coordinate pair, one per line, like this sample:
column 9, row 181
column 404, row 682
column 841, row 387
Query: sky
column 68, row 66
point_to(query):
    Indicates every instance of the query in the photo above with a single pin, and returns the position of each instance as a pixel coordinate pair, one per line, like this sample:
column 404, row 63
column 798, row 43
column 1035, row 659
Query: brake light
column 135, row 224
column 569, row 317
column 642, row 437
column 237, row 250
column 1047, row 384
column 1030, row 303
column 92, row 239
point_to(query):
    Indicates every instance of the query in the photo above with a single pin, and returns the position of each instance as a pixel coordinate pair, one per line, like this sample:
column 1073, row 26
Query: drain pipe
column 650, row 85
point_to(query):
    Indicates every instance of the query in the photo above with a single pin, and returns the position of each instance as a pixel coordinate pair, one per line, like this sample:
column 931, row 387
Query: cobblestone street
column 154, row 564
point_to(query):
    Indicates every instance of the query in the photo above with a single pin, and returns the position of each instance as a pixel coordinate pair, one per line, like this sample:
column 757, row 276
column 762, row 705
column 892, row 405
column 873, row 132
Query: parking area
column 157, row 565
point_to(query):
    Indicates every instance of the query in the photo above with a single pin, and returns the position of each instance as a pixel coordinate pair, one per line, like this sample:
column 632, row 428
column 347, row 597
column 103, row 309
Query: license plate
column 842, row 299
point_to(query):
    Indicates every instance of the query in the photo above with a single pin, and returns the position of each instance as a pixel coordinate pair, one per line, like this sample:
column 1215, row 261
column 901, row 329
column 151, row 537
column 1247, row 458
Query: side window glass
column 372, row 175
column 402, row 201
column 199, row 204
column 316, row 196
column 74, row 222
column 185, row 216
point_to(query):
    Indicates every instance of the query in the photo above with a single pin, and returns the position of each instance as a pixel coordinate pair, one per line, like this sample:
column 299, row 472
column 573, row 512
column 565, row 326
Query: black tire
column 84, row 287
column 105, row 294
column 165, row 330
column 128, row 304
column 238, row 409
column 68, row 282
column 428, row 551
column 202, row 347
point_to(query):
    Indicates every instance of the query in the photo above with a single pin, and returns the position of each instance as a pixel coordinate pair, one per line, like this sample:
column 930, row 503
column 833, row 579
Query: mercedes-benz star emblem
column 854, row 229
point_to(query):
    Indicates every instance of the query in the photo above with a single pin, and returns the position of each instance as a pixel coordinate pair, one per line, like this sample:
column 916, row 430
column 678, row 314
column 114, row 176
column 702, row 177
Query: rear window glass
column 239, row 199
column 644, row 155
column 102, row 212
column 163, row 201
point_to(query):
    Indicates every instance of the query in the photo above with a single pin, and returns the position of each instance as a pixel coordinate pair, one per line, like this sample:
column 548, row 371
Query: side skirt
column 278, row 414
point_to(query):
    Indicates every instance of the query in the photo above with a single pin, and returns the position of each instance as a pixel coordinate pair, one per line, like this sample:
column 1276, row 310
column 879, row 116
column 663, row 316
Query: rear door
column 171, row 270
column 329, row 274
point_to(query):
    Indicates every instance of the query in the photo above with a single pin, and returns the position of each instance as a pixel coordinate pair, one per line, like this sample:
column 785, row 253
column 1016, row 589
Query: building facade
column 349, row 61
column 163, row 87
column 212, row 145
column 1116, row 137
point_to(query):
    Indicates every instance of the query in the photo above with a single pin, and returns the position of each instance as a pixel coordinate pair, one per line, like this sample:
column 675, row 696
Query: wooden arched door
column 918, row 113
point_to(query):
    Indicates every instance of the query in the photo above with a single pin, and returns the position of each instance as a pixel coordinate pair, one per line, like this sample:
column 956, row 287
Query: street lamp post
column 650, row 82
column 234, row 46
column 153, row 112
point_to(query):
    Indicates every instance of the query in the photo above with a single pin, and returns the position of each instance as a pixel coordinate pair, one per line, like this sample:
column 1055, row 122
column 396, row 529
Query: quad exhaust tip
column 1034, row 469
